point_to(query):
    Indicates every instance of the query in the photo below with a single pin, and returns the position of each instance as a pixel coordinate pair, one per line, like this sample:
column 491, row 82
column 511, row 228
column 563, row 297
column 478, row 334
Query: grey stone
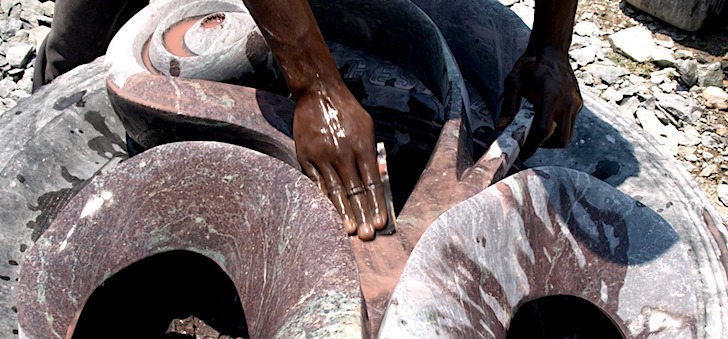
column 636, row 79
column 584, row 56
column 710, row 75
column 19, row 95
column 629, row 106
column 48, row 8
column 658, row 77
column 635, row 42
column 7, row 85
column 710, row 139
column 668, row 86
column 684, row 54
column 690, row 137
column 578, row 41
column 709, row 170
column 608, row 74
column 37, row 35
column 18, row 56
column 586, row 28
column 715, row 97
column 7, row 104
column 612, row 94
column 31, row 9
column 585, row 77
column 688, row 70
column 679, row 107
column 44, row 20
column 722, row 191
column 651, row 124
column 691, row 157
column 664, row 40
column 6, row 5
column 685, row 14
column 663, row 57
column 10, row 29
column 630, row 90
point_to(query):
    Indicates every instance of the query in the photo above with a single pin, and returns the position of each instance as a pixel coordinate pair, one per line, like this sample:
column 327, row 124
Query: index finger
column 544, row 109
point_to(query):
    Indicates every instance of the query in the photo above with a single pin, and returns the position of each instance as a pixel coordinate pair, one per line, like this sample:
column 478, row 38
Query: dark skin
column 544, row 77
column 335, row 136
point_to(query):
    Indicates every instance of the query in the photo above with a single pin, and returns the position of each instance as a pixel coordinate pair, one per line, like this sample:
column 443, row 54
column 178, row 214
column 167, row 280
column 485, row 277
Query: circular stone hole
column 562, row 317
column 180, row 288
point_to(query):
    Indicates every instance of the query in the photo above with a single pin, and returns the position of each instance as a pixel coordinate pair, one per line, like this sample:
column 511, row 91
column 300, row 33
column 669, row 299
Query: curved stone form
column 641, row 170
column 65, row 134
column 265, row 224
column 157, row 109
column 545, row 231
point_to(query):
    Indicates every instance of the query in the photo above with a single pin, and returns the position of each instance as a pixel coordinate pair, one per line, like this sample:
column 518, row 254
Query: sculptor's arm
column 544, row 76
column 334, row 135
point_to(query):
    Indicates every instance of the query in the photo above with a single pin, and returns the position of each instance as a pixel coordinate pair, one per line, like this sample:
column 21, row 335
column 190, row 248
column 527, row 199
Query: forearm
column 553, row 25
column 296, row 42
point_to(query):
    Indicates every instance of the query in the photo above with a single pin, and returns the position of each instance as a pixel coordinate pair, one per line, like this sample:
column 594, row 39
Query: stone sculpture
column 475, row 254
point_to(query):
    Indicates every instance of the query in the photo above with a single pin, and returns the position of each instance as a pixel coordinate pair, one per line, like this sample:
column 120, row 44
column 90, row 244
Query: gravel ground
column 670, row 81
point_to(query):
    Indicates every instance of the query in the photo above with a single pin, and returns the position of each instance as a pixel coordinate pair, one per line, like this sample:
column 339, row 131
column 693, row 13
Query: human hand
column 546, row 80
column 335, row 146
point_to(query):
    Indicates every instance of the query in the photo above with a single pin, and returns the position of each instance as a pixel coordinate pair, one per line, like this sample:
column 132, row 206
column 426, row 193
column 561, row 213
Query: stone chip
column 715, row 97
column 635, row 42
column 19, row 55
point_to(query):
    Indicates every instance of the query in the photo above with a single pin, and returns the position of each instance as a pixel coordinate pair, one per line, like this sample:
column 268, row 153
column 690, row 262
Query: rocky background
column 671, row 82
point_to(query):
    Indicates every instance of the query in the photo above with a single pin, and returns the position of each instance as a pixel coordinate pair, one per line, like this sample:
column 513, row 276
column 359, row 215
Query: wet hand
column 546, row 79
column 336, row 148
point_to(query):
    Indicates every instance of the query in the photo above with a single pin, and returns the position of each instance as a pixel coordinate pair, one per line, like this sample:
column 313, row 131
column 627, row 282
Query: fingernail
column 380, row 222
column 349, row 226
column 366, row 232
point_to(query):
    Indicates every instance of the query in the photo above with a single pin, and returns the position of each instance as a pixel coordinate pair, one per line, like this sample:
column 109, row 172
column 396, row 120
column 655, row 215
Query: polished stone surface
column 546, row 231
column 605, row 146
column 264, row 223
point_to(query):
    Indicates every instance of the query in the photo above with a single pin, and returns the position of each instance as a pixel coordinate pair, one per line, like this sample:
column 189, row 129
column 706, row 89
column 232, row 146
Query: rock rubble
column 23, row 26
column 676, row 94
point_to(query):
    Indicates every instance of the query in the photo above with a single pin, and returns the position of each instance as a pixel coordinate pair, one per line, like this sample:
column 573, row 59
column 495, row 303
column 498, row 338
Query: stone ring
column 355, row 190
